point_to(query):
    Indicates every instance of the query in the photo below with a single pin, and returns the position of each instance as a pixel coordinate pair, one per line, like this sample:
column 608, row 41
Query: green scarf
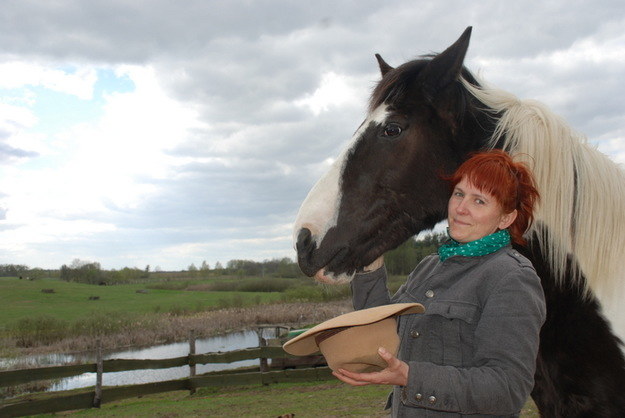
column 485, row 245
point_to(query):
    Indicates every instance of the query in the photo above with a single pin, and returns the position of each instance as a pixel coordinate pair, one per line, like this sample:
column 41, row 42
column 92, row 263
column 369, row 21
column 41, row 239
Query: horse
column 425, row 118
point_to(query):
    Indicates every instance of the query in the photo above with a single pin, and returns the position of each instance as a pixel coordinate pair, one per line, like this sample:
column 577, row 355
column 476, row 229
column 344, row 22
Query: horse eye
column 392, row 130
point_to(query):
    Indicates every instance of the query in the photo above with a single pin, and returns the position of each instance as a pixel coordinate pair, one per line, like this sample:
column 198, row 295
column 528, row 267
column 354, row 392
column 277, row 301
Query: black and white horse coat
column 425, row 118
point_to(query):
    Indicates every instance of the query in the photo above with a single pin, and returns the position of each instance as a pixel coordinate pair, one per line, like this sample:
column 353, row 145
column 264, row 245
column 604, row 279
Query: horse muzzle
column 306, row 247
column 314, row 257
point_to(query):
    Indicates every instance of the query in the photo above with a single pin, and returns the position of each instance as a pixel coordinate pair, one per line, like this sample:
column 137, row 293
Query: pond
column 228, row 342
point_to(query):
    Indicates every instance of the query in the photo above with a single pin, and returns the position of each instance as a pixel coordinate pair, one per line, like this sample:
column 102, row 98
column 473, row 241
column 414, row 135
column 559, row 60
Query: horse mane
column 582, row 192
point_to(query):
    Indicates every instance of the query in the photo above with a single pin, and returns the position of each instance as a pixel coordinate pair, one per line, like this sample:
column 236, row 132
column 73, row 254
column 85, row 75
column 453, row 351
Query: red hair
column 510, row 183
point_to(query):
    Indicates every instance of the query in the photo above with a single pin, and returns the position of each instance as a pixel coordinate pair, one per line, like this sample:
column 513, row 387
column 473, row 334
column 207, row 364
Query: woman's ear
column 508, row 219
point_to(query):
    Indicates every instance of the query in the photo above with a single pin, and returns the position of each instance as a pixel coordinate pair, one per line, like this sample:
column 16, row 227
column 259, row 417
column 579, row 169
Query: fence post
column 191, row 358
column 262, row 343
column 97, row 399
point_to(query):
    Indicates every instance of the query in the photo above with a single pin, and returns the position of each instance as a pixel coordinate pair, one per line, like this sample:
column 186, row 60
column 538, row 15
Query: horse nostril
column 305, row 252
column 304, row 241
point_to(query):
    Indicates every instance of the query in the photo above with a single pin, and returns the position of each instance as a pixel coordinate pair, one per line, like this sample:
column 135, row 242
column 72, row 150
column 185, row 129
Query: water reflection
column 229, row 342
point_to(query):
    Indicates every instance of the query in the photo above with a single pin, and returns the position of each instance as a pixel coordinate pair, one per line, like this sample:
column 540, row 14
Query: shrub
column 173, row 285
column 316, row 293
column 222, row 286
column 266, row 285
column 45, row 329
column 234, row 301
column 180, row 310
column 38, row 330
column 101, row 323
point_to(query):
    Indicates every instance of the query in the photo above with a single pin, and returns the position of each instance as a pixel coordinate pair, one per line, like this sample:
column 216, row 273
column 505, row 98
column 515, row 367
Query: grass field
column 31, row 317
column 24, row 298
column 318, row 399
column 165, row 310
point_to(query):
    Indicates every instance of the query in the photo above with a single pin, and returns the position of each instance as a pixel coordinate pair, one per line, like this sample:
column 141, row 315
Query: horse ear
column 445, row 68
column 384, row 67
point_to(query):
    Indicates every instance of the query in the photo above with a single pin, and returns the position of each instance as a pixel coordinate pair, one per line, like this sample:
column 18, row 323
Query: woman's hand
column 395, row 374
column 321, row 277
column 377, row 263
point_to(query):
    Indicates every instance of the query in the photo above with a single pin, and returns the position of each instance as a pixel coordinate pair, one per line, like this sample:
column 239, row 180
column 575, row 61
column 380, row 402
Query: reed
column 129, row 315
column 117, row 332
column 44, row 330
column 40, row 329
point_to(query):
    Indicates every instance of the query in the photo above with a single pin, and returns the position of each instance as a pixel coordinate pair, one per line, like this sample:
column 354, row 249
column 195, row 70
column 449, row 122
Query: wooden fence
column 92, row 397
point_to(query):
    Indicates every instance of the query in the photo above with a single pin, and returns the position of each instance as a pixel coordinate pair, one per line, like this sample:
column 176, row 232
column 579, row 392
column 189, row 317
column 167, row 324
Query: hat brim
column 306, row 344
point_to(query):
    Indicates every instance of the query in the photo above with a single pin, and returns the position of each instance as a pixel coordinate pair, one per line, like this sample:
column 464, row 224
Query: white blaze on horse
column 425, row 118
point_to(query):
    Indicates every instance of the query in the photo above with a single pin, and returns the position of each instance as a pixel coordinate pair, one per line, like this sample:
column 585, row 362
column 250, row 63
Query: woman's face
column 473, row 214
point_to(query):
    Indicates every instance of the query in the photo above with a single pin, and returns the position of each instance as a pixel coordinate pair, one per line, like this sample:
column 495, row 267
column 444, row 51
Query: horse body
column 426, row 116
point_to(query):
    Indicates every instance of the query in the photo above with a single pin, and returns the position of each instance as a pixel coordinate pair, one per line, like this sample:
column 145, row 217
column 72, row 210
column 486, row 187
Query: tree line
column 400, row 261
column 92, row 273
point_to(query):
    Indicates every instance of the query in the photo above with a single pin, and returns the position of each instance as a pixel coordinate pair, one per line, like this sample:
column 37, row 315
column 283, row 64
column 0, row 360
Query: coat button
column 432, row 400
column 415, row 334
column 418, row 397
column 429, row 294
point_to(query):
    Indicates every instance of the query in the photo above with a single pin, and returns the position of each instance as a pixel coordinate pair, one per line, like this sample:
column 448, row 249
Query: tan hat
column 351, row 341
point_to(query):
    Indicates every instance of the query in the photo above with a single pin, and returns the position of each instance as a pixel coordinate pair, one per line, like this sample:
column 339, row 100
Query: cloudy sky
column 136, row 132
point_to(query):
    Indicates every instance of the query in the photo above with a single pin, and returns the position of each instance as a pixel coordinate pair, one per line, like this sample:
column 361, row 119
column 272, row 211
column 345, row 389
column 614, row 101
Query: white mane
column 582, row 192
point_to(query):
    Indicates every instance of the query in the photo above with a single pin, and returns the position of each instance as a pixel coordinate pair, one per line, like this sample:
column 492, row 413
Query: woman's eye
column 392, row 130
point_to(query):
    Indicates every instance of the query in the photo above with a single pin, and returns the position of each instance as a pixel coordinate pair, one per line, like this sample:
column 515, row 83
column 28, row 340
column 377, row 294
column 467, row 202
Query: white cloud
column 334, row 90
column 78, row 82
column 16, row 117
column 15, row 120
column 91, row 169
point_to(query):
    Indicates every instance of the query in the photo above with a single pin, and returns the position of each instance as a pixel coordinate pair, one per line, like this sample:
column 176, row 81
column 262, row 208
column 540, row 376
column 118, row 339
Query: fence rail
column 83, row 398
column 18, row 377
column 93, row 396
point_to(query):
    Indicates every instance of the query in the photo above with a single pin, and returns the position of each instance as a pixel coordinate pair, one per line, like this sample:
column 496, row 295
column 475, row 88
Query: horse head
column 387, row 184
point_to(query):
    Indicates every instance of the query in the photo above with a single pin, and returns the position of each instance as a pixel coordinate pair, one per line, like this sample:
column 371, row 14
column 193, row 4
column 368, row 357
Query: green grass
column 303, row 399
column 314, row 399
column 70, row 301
column 31, row 318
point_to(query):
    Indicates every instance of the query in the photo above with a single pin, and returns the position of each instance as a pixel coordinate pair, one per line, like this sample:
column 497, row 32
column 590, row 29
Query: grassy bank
column 157, row 329
column 318, row 399
column 48, row 315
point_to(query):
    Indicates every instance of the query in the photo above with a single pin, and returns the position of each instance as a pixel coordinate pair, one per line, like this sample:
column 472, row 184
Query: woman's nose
column 462, row 207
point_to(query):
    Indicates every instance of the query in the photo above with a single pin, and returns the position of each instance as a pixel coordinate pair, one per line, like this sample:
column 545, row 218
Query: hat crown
column 346, row 331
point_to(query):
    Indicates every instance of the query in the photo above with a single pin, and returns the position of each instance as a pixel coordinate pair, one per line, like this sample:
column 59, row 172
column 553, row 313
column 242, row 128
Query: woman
column 474, row 349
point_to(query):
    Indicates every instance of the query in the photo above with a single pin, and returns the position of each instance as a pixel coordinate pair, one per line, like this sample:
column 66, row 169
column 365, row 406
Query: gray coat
column 474, row 349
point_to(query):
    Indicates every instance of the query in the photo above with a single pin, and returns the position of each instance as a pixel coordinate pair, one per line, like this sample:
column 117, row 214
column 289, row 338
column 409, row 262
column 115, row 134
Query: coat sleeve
column 370, row 290
column 506, row 346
